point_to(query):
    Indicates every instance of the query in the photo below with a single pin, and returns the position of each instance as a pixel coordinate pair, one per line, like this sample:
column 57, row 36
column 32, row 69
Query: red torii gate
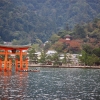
column 6, row 64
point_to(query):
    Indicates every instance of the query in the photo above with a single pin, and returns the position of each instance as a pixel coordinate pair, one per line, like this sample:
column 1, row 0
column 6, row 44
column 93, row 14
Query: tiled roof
column 11, row 47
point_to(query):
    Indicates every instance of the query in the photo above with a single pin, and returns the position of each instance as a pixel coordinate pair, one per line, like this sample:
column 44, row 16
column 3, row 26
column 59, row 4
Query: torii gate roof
column 17, row 47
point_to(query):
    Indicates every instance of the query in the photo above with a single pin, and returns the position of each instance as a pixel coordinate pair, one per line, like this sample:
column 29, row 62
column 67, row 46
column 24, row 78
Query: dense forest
column 33, row 21
column 85, row 34
column 83, row 39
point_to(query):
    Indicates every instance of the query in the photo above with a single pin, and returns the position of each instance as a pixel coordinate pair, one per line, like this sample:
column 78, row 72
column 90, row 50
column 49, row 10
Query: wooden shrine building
column 13, row 54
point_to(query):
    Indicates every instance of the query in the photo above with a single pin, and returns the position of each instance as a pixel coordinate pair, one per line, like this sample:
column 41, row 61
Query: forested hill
column 25, row 21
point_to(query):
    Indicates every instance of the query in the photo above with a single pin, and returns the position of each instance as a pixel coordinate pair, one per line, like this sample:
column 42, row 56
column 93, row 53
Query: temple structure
column 13, row 54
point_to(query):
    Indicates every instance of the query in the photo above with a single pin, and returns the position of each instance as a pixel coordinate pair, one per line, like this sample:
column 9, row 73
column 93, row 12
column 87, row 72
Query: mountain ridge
column 25, row 21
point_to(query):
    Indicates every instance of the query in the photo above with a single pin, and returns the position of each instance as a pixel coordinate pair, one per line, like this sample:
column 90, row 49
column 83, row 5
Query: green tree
column 1, row 41
column 54, row 38
column 63, row 33
column 32, row 52
column 89, row 59
column 47, row 46
column 49, row 59
column 15, row 42
column 79, row 31
column 83, row 58
column 58, row 46
column 43, row 57
column 96, row 51
column 65, row 59
column 56, row 58
column 88, row 48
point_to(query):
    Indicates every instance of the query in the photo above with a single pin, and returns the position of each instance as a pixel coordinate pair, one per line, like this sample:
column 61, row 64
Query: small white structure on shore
column 51, row 52
column 38, row 55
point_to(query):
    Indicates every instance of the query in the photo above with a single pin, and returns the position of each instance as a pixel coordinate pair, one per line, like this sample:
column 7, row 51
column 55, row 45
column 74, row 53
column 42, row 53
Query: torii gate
column 6, row 64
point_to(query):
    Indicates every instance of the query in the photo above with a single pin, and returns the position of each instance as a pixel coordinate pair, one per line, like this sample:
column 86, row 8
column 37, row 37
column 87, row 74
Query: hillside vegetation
column 83, row 39
column 33, row 21
column 86, row 34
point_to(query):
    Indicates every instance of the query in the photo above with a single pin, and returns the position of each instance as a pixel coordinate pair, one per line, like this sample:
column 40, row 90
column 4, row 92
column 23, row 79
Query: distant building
column 7, row 43
column 72, row 44
column 46, row 43
column 51, row 52
column 38, row 55
column 61, row 56
column 73, row 59
column 67, row 37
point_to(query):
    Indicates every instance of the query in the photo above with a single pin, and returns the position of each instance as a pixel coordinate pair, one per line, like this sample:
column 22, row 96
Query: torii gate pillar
column 6, row 64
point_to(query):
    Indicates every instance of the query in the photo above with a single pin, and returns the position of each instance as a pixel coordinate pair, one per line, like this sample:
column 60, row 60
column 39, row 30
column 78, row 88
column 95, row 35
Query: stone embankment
column 89, row 67
column 64, row 66
column 38, row 65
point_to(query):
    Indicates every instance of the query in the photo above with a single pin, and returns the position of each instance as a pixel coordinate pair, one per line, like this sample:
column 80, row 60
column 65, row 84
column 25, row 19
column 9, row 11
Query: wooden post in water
column 21, row 60
column 0, row 64
column 6, row 59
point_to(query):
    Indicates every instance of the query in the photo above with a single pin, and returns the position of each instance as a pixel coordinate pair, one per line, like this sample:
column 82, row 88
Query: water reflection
column 12, row 85
column 51, row 84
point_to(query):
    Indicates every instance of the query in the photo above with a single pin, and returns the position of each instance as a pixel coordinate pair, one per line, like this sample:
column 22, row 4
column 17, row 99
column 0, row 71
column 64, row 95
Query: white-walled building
column 51, row 52
column 38, row 55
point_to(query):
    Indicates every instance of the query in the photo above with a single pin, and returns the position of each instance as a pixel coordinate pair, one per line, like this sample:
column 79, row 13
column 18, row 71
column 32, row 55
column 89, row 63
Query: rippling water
column 51, row 84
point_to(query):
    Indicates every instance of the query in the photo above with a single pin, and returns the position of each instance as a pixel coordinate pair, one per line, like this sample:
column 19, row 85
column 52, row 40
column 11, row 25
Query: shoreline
column 65, row 66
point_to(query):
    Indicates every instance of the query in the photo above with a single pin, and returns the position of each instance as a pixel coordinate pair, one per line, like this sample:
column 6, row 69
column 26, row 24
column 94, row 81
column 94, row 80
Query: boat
column 29, row 70
column 36, row 70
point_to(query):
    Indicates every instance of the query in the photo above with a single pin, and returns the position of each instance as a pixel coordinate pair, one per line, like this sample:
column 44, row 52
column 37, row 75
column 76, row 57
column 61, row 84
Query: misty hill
column 25, row 21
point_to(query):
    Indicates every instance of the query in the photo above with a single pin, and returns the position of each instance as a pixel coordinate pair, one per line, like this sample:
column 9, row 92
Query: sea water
column 51, row 84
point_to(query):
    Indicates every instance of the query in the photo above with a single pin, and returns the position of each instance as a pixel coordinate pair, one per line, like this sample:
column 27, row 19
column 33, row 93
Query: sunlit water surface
column 51, row 84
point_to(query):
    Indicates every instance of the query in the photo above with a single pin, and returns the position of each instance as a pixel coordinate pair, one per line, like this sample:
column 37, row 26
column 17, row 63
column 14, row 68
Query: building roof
column 17, row 47
column 51, row 52
column 67, row 36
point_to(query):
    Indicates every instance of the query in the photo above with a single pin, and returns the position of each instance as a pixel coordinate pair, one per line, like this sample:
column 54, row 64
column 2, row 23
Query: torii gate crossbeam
column 6, row 64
